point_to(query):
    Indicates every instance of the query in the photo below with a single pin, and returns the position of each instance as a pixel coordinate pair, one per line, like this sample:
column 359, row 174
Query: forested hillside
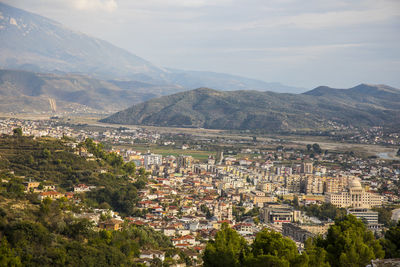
column 252, row 110
column 48, row 232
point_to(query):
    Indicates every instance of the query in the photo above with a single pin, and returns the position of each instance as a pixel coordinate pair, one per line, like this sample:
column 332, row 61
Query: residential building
column 279, row 214
column 370, row 216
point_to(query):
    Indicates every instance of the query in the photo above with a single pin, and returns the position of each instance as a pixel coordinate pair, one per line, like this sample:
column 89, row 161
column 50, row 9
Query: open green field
column 165, row 151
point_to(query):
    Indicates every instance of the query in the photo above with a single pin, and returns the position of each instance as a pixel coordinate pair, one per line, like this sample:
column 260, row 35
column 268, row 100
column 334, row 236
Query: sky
column 304, row 43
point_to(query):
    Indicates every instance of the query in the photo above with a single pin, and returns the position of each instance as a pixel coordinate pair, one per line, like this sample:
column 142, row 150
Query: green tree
column 156, row 262
column 17, row 132
column 78, row 229
column 14, row 188
column 130, row 168
column 391, row 243
column 206, row 211
column 46, row 153
column 349, row 243
column 295, row 202
column 266, row 261
column 325, row 211
column 272, row 246
column 228, row 249
column 384, row 216
column 316, row 148
column 309, row 147
column 8, row 255
column 317, row 256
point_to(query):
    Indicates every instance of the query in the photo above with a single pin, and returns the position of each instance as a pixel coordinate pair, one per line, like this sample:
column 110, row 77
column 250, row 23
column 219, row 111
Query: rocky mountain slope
column 34, row 43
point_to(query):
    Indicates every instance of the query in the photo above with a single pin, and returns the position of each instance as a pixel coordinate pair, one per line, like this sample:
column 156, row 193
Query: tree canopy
column 228, row 249
column 272, row 248
column 391, row 243
column 348, row 243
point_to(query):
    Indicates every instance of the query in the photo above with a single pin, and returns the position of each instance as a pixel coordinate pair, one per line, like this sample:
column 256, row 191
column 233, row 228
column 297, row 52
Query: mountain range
column 23, row 91
column 34, row 43
column 46, row 67
column 320, row 108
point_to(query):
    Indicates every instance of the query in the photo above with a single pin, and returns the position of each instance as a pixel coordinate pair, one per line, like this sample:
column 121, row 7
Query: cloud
column 90, row 5
column 379, row 11
column 294, row 41
column 299, row 49
column 294, row 54
column 179, row 3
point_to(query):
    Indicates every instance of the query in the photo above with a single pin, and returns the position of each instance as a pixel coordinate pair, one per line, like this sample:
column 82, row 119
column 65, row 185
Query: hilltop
column 318, row 108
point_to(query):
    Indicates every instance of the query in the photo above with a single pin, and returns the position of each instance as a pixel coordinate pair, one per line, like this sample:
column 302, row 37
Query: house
column 51, row 195
column 185, row 241
column 169, row 231
column 49, row 187
column 31, row 185
column 112, row 224
column 93, row 217
column 146, row 204
column 158, row 209
column 80, row 188
column 244, row 228
column 152, row 254
column 69, row 195
column 183, row 232
column 192, row 255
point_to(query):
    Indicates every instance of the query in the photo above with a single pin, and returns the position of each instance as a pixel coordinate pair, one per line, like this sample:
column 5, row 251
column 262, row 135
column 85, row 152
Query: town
column 295, row 191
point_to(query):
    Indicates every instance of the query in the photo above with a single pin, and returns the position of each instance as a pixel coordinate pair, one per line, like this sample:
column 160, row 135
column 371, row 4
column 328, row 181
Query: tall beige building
column 307, row 167
column 185, row 161
column 337, row 184
column 355, row 196
column 313, row 184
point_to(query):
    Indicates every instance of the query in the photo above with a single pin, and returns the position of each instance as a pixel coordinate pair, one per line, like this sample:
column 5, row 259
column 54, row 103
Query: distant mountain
column 315, row 109
column 366, row 94
column 34, row 43
column 225, row 82
column 23, row 91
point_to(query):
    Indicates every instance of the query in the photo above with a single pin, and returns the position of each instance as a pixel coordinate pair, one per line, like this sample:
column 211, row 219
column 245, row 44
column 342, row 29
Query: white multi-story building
column 152, row 159
column 370, row 216
column 355, row 196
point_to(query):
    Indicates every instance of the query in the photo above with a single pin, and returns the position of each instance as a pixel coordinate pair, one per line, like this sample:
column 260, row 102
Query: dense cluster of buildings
column 199, row 196
column 188, row 200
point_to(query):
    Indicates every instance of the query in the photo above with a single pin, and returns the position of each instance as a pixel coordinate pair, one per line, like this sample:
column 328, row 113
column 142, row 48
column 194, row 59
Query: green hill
column 52, row 232
column 207, row 108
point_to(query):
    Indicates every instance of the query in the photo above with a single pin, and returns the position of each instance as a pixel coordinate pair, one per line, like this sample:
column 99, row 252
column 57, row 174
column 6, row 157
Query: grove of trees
column 348, row 243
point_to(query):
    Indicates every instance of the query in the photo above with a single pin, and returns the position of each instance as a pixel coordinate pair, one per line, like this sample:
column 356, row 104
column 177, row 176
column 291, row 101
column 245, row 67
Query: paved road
column 396, row 214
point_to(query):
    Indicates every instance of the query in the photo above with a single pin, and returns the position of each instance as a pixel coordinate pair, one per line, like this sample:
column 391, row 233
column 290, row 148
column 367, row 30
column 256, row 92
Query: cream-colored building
column 307, row 167
column 355, row 196
column 313, row 184
column 337, row 184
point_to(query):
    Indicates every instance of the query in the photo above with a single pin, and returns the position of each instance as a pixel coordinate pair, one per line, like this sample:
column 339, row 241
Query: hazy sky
column 306, row 43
